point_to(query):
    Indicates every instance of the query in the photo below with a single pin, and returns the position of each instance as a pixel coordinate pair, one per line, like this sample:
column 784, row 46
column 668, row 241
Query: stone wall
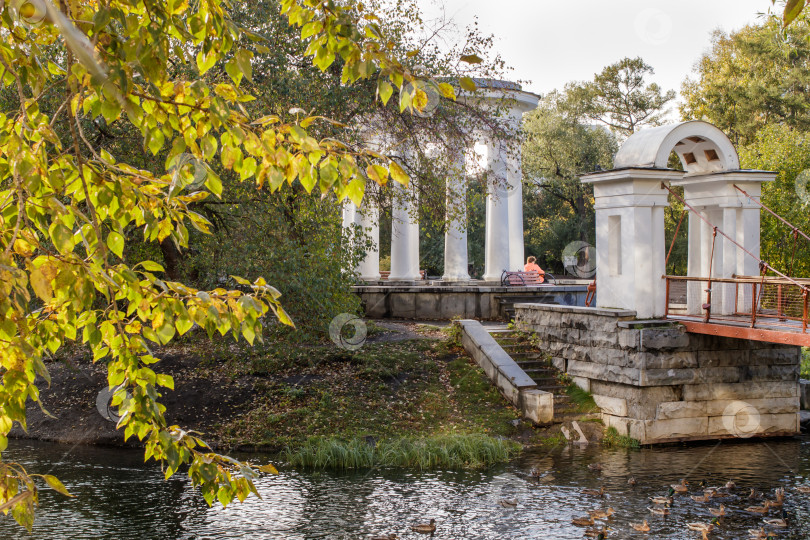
column 657, row 383
column 431, row 302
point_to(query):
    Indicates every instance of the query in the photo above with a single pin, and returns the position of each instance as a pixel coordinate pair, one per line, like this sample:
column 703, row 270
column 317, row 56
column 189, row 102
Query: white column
column 496, row 256
column 659, row 258
column 370, row 221
column 729, row 254
column 694, row 291
column 515, row 209
column 641, row 241
column 748, row 236
column 404, row 237
column 455, row 235
column 351, row 217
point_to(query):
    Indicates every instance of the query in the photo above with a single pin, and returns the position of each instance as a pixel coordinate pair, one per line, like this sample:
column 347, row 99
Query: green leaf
column 62, row 237
column 792, row 10
column 56, row 485
column 268, row 469
column 385, row 91
column 398, row 173
column 471, row 58
column 205, row 62
column 213, row 183
column 447, row 90
column 243, row 58
column 165, row 381
column 468, row 84
column 233, row 71
column 151, row 266
column 116, row 243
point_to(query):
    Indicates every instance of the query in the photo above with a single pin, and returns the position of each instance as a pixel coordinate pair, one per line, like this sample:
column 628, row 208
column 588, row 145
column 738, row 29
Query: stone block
column 583, row 383
column 611, row 405
column 804, row 394
column 642, row 402
column 656, row 339
column 537, row 406
column 718, row 407
column 666, row 360
column 676, row 428
column 630, row 427
column 735, row 357
column 743, row 390
column 670, row 410
column 776, row 355
column 403, row 305
column 629, row 339
column 745, row 426
column 603, row 372
column 374, row 305
column 453, row 305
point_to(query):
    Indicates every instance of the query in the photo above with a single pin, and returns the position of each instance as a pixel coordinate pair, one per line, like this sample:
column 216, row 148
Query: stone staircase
column 538, row 366
column 507, row 303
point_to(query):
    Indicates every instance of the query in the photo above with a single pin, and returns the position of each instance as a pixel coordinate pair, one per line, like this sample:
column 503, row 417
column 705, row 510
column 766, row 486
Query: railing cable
column 730, row 239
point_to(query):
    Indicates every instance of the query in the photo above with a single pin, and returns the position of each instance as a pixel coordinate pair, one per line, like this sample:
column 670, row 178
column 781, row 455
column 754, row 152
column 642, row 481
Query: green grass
column 438, row 451
column 583, row 400
column 417, row 389
column 805, row 367
column 614, row 440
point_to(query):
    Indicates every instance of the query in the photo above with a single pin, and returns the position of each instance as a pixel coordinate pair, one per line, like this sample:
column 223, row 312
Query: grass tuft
column 470, row 451
column 614, row 440
column 805, row 366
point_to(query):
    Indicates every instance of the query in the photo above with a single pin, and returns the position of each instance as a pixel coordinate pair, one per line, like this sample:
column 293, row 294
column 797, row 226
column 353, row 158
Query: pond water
column 118, row 496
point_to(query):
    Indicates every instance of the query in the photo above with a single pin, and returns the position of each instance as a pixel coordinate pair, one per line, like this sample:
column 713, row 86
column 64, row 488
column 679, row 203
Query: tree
column 783, row 149
column 557, row 150
column 68, row 204
column 756, row 76
column 620, row 97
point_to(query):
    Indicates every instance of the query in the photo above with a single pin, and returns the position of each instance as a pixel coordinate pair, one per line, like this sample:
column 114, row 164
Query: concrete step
column 532, row 364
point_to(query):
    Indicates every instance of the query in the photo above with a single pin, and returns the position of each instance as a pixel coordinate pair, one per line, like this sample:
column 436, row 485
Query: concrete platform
column 470, row 300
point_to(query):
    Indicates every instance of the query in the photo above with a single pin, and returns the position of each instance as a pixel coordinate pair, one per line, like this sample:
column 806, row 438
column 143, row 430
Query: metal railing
column 772, row 302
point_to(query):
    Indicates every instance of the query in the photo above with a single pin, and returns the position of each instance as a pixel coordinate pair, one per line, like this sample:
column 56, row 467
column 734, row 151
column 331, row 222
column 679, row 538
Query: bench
column 523, row 279
column 385, row 274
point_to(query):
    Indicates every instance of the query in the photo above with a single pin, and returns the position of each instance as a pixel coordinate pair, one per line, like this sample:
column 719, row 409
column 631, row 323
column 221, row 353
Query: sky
column 552, row 42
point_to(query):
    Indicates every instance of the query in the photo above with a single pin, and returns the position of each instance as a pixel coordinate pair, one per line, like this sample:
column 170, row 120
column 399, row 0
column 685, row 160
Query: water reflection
column 120, row 497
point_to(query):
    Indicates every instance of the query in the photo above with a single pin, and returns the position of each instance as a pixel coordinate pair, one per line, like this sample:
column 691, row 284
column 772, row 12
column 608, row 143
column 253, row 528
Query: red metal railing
column 771, row 302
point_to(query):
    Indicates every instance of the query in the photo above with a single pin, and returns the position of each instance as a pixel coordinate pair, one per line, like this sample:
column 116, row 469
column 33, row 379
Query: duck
column 700, row 498
column 730, row 484
column 583, row 521
column 803, row 489
column 386, row 537
column 659, row 511
column 641, row 527
column 632, row 481
column 594, row 493
column 681, row 488
column 764, row 509
column 597, row 533
column 595, row 466
column 754, row 494
column 602, row 514
column 702, row 527
column 664, row 500
column 754, row 534
column 508, row 503
column 719, row 512
column 425, row 528
column 535, row 473
column 777, row 522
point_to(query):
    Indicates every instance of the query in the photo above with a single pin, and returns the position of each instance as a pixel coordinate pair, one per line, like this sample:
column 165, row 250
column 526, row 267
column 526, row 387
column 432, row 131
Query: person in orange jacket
column 531, row 266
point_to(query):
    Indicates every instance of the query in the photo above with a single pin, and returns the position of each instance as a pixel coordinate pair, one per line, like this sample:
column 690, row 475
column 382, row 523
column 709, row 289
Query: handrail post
column 804, row 319
column 666, row 303
column 753, row 304
column 736, row 298
column 779, row 302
